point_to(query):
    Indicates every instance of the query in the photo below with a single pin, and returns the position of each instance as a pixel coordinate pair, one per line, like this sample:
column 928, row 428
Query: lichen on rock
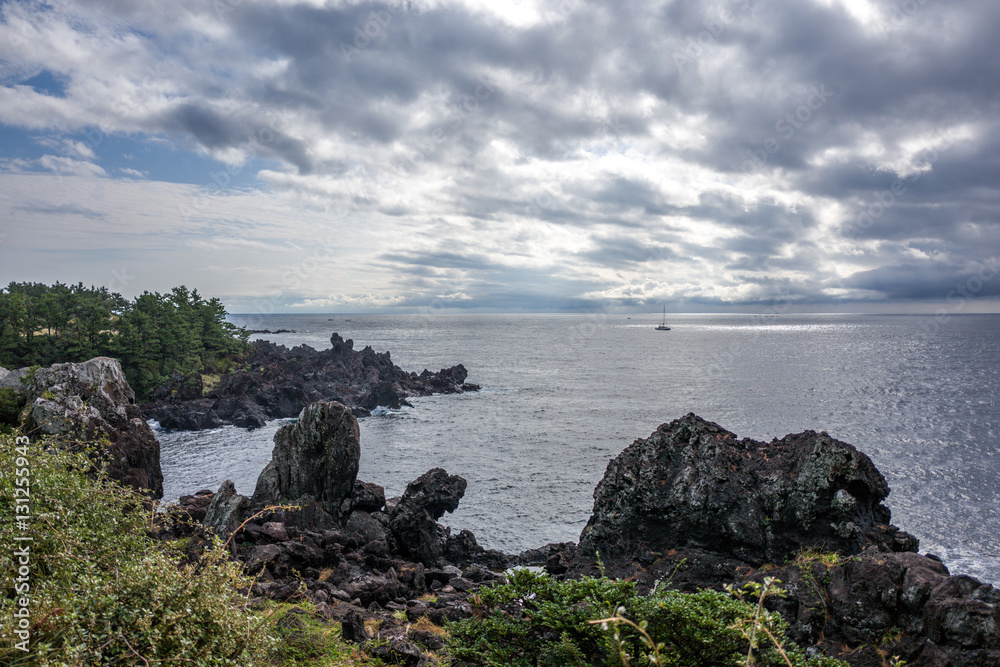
column 93, row 402
column 693, row 484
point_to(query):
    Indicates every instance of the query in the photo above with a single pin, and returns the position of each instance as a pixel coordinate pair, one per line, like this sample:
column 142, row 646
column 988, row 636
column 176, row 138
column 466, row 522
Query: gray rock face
column 226, row 511
column 692, row 484
column 91, row 401
column 318, row 457
column 11, row 379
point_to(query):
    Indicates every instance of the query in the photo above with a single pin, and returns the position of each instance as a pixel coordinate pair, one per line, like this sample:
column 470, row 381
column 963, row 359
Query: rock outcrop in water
column 692, row 484
column 361, row 555
column 698, row 507
column 278, row 382
column 413, row 521
column 92, row 402
column 317, row 457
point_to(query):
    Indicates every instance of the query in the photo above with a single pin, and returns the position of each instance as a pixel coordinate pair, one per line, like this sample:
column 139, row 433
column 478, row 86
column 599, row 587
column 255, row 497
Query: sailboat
column 663, row 326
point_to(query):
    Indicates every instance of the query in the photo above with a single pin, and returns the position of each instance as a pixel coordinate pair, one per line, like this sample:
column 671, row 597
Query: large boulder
column 695, row 485
column 318, row 457
column 93, row 402
column 413, row 521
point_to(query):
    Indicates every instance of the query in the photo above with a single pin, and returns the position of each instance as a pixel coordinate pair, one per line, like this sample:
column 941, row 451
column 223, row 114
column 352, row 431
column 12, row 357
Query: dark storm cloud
column 623, row 251
column 932, row 280
column 261, row 137
column 64, row 209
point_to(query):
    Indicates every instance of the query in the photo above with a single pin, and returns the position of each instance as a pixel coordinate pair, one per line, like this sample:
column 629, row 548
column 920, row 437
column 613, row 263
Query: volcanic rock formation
column 278, row 383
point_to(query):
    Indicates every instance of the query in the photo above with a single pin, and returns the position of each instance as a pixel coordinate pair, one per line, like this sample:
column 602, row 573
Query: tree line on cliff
column 152, row 335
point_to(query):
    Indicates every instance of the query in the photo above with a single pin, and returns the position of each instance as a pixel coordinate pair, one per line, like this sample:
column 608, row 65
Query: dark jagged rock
column 367, row 497
column 318, row 456
column 93, row 402
column 692, row 484
column 353, row 628
column 180, row 387
column 187, row 417
column 904, row 603
column 464, row 550
column 413, row 522
column 195, row 506
column 278, row 382
column 867, row 596
column 398, row 652
column 695, row 506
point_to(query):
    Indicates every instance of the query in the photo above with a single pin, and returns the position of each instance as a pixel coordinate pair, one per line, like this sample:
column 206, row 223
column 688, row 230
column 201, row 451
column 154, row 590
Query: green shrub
column 533, row 620
column 11, row 404
column 103, row 592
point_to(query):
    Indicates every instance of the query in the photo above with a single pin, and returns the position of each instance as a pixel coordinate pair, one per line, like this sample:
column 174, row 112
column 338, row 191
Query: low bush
column 11, row 404
column 101, row 591
column 533, row 620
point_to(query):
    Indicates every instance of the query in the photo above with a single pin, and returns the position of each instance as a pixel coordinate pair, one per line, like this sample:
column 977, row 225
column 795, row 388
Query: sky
column 532, row 155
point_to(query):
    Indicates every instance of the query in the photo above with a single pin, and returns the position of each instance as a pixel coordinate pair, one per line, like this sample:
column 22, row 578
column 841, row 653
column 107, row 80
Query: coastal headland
column 276, row 382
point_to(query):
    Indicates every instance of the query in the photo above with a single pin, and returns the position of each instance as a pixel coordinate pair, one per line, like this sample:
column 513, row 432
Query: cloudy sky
column 323, row 155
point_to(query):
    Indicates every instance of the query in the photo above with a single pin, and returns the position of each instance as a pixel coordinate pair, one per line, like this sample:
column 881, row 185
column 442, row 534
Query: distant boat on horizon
column 663, row 326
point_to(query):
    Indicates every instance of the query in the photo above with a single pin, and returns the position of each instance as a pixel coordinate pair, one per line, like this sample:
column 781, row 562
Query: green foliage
column 303, row 640
column 533, row 620
column 103, row 592
column 11, row 404
column 153, row 335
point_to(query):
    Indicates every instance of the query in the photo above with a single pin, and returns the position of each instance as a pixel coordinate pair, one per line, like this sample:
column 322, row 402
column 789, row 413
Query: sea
column 563, row 394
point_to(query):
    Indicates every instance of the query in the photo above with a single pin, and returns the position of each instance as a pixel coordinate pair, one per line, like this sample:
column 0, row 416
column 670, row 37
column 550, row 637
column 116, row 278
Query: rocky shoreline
column 693, row 505
column 278, row 382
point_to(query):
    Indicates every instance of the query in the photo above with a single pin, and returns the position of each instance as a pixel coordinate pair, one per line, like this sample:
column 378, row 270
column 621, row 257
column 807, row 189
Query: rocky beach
column 693, row 506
